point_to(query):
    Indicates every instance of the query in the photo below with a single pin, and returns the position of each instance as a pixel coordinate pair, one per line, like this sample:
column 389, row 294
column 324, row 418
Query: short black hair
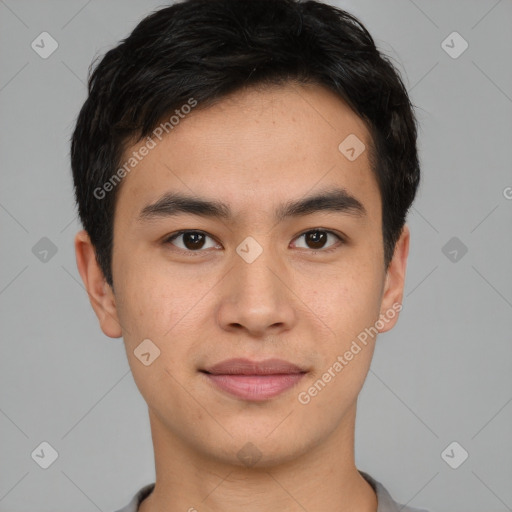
column 206, row 49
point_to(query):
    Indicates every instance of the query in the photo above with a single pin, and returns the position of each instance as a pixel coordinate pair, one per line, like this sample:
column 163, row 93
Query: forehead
column 254, row 146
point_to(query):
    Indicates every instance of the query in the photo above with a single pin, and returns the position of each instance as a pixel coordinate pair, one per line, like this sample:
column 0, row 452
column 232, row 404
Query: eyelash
column 173, row 236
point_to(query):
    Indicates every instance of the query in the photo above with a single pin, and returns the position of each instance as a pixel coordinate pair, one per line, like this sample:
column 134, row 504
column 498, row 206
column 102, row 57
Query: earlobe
column 393, row 292
column 100, row 293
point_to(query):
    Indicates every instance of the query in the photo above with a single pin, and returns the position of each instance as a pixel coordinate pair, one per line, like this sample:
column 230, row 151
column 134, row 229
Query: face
column 287, row 263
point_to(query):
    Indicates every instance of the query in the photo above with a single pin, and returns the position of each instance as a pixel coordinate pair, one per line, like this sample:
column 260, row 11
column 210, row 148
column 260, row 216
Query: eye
column 317, row 238
column 191, row 241
column 195, row 241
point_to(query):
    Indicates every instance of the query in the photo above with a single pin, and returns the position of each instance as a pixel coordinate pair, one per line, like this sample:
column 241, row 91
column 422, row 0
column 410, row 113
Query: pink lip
column 253, row 380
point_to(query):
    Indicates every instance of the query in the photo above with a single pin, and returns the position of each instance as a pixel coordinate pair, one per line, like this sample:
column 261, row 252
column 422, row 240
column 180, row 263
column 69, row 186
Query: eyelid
column 176, row 234
column 339, row 236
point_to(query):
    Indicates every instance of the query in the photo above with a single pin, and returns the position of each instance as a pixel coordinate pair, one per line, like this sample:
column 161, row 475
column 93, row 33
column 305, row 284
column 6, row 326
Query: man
column 243, row 170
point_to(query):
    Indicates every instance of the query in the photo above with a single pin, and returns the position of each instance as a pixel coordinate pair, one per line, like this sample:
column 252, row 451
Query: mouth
column 253, row 380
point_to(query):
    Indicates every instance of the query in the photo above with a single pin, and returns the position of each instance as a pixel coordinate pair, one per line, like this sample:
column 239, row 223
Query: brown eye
column 190, row 240
column 317, row 238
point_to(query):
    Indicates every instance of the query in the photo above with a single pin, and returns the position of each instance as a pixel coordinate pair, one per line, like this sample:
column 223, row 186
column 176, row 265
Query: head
column 269, row 128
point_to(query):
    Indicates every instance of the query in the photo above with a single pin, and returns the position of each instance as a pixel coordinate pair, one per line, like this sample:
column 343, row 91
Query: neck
column 324, row 478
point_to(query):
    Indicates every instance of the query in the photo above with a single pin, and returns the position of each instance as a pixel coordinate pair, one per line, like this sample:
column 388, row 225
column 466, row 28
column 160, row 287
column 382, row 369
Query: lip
column 241, row 366
column 254, row 380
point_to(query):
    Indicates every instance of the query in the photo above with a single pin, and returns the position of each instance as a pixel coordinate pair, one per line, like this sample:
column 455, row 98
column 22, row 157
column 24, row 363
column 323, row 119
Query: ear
column 393, row 290
column 100, row 293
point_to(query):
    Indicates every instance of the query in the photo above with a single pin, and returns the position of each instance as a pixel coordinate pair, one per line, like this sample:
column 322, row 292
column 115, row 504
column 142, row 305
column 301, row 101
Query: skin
column 254, row 150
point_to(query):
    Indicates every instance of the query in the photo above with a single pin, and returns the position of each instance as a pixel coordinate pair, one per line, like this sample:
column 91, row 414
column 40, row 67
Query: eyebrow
column 331, row 200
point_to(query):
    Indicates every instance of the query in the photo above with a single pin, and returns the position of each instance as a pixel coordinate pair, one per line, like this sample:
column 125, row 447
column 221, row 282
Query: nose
column 257, row 298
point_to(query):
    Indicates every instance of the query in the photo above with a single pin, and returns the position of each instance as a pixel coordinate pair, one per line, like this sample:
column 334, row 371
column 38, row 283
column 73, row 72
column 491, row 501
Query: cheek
column 155, row 308
column 152, row 298
column 349, row 306
column 346, row 299
column 166, row 309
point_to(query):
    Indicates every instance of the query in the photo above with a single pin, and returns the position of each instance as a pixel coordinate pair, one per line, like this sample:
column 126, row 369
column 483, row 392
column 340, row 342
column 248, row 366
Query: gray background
column 443, row 374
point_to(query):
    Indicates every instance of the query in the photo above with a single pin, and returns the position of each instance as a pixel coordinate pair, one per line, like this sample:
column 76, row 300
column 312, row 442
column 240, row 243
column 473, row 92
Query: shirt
column 385, row 502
